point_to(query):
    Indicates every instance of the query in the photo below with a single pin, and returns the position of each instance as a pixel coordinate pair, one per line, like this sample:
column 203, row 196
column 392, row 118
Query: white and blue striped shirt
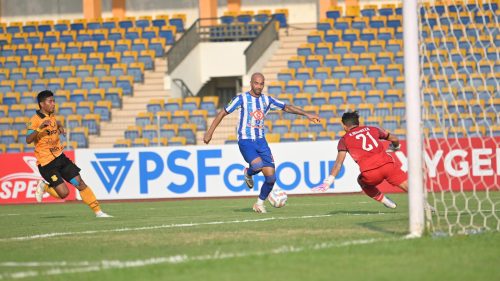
column 252, row 113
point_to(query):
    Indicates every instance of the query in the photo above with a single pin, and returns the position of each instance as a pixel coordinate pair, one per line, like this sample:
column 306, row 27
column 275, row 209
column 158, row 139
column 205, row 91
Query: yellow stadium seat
column 325, row 135
column 177, row 141
column 272, row 138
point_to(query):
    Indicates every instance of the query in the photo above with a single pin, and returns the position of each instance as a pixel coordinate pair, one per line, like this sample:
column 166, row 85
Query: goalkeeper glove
column 325, row 185
column 393, row 148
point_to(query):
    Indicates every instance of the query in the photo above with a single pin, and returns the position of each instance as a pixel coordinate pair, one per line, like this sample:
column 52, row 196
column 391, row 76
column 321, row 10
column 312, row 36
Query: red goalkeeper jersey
column 364, row 145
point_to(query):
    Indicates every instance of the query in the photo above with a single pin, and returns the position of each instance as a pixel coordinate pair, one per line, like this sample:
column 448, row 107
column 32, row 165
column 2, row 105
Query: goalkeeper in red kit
column 365, row 146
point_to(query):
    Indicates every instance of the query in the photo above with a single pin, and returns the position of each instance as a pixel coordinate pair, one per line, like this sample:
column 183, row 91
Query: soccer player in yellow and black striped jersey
column 54, row 166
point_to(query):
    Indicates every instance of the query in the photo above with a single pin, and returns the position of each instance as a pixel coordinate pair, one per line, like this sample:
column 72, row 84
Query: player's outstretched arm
column 299, row 111
column 333, row 173
column 395, row 145
column 208, row 135
column 60, row 128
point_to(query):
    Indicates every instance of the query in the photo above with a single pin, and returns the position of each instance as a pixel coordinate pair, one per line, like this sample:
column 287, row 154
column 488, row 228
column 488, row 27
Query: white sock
column 260, row 201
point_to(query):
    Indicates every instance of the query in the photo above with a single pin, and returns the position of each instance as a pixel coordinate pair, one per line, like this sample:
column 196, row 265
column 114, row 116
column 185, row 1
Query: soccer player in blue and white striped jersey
column 253, row 107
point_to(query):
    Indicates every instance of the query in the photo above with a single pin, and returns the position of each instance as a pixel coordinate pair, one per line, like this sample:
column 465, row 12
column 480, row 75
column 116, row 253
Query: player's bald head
column 257, row 75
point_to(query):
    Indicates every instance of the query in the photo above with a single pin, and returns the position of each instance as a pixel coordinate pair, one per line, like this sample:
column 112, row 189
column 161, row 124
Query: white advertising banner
column 207, row 171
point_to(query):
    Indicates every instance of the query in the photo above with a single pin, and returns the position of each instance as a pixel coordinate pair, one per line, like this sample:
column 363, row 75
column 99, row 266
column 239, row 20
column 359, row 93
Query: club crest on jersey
column 257, row 114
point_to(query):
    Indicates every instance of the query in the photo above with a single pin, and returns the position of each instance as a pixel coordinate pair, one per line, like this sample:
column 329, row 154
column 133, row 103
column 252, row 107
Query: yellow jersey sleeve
column 34, row 123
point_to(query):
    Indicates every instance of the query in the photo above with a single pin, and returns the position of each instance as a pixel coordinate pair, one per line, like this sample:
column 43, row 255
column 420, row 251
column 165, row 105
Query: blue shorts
column 252, row 149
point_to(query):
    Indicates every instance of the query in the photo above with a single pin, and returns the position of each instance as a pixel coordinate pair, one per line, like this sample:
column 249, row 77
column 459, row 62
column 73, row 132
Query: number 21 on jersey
column 365, row 145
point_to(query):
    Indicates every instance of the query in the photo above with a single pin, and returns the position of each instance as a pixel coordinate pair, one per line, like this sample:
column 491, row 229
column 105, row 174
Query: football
column 277, row 198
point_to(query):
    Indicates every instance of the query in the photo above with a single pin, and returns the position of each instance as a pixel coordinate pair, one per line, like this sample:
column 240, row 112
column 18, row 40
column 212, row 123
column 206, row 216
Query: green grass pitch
column 345, row 237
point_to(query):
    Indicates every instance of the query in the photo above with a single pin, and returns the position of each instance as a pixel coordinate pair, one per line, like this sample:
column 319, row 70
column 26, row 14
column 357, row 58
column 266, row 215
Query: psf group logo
column 112, row 169
column 205, row 171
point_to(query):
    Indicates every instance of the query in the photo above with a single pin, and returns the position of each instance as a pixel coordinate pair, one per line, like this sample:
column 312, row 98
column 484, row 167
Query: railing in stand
column 186, row 92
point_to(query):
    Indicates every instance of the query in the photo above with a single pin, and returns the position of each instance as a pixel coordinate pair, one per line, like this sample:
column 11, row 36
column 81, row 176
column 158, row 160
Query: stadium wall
column 209, row 60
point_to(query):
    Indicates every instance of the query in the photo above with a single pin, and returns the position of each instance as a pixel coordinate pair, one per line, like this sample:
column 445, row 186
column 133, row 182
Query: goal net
column 459, row 43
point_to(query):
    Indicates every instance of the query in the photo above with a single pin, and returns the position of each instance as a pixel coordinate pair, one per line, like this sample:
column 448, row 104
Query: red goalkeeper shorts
column 389, row 172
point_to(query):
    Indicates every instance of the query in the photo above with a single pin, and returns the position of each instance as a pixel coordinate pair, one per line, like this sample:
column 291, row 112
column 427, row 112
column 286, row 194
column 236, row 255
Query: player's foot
column 248, row 179
column 102, row 214
column 39, row 191
column 389, row 203
column 259, row 208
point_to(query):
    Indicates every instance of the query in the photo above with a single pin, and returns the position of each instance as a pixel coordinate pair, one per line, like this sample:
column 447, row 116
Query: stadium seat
column 94, row 95
column 375, row 96
column 159, row 142
column 74, row 121
column 312, row 86
column 169, row 131
column 281, row 126
column 334, row 12
column 150, row 131
column 347, row 84
column 294, row 86
column 93, row 123
column 289, row 137
column 4, row 110
column 133, row 132
column 15, row 148
column 177, row 141
column 191, row 103
column 155, row 105
column 85, row 107
column 365, row 109
column 383, row 109
column 11, row 98
column 391, row 122
column 189, row 132
column 67, row 108
column 159, row 21
column 307, row 136
column 262, row 16
column 103, row 108
column 180, row 117
column 80, row 135
column 320, row 98
column 140, row 142
column 144, row 118
column 365, row 83
column 325, row 135
column 281, row 15
column 199, row 117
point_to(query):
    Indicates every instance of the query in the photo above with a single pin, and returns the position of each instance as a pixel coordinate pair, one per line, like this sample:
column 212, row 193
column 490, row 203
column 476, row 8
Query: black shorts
column 58, row 170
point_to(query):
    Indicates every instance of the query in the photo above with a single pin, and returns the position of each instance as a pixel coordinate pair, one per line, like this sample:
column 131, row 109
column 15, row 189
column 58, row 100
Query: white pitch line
column 86, row 266
column 8, row 215
column 56, row 234
column 163, row 226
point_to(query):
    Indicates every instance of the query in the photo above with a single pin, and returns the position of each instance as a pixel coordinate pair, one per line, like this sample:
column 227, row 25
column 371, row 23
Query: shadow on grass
column 357, row 213
column 376, row 226
column 243, row 210
column 54, row 217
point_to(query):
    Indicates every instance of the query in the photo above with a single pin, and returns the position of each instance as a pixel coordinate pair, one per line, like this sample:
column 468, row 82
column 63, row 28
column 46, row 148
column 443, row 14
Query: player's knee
column 63, row 193
column 257, row 166
column 270, row 180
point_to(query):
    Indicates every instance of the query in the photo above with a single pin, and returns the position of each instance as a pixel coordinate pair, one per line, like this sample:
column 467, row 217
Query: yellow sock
column 51, row 191
column 88, row 198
